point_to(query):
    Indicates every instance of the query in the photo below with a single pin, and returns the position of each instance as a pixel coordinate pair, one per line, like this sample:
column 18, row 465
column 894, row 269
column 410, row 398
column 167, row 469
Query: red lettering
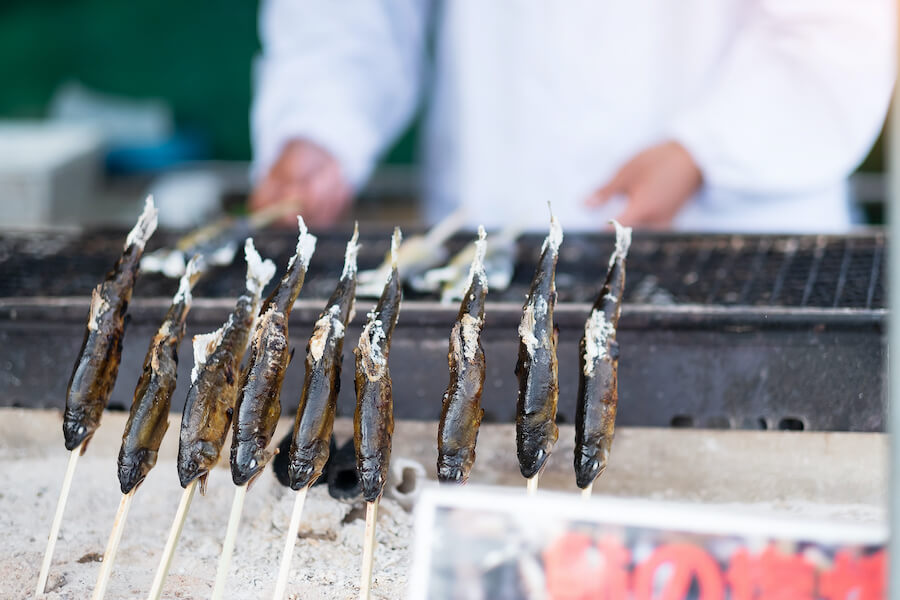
column 688, row 563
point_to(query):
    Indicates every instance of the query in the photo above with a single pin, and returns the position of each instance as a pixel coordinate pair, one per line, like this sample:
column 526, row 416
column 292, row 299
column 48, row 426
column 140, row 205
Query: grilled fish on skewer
column 318, row 401
column 598, row 395
column 536, row 430
column 461, row 412
column 415, row 255
column 216, row 376
column 149, row 418
column 373, row 420
column 95, row 370
column 258, row 405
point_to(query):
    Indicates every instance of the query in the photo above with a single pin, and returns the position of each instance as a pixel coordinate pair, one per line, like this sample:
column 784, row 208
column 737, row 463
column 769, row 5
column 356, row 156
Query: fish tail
column 192, row 273
column 306, row 245
column 259, row 271
column 555, row 236
column 144, row 227
column 351, row 253
column 623, row 242
column 396, row 239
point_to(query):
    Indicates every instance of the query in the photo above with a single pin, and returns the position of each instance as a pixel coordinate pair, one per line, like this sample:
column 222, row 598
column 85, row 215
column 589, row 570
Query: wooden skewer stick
column 289, row 543
column 57, row 518
column 586, row 492
column 531, row 484
column 365, row 584
column 174, row 533
column 112, row 545
column 240, row 492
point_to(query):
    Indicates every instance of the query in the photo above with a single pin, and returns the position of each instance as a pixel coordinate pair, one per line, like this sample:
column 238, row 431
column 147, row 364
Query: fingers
column 617, row 185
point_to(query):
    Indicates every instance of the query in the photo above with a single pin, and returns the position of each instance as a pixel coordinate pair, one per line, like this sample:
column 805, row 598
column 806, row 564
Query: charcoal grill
column 722, row 331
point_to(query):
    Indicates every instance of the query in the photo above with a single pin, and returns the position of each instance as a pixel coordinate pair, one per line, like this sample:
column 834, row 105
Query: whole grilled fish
column 258, row 405
column 216, row 376
column 598, row 395
column 461, row 412
column 373, row 420
column 311, row 441
column 536, row 368
column 97, row 365
column 149, row 417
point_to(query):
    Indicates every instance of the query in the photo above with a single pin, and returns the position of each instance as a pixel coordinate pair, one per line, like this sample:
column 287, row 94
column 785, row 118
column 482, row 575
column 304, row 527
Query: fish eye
column 458, row 475
column 252, row 463
column 81, row 430
column 540, row 453
column 595, row 464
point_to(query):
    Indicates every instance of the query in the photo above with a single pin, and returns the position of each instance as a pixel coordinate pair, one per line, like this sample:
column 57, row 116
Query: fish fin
column 291, row 357
column 555, row 335
column 203, row 483
column 259, row 271
column 614, row 350
column 144, row 227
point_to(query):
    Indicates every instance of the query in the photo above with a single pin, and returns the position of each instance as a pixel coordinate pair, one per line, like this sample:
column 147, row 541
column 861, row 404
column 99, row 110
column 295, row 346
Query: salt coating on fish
column 204, row 345
column 99, row 305
column 350, row 254
column 526, row 330
column 259, row 271
column 330, row 321
column 554, row 237
column 370, row 348
column 306, row 245
column 623, row 242
column 144, row 227
column 471, row 329
column 477, row 267
column 597, row 332
column 191, row 272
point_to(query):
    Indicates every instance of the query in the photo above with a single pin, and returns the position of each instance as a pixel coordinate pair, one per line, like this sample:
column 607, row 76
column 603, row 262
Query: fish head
column 590, row 462
column 248, row 459
column 305, row 464
column 371, row 480
column 76, row 430
column 195, row 460
column 535, row 446
column 134, row 466
column 454, row 468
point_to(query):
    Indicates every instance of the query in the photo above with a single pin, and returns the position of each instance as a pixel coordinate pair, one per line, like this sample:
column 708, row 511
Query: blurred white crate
column 48, row 172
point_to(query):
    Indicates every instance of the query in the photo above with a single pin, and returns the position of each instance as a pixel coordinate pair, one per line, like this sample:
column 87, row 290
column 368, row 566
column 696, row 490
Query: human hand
column 656, row 182
column 307, row 180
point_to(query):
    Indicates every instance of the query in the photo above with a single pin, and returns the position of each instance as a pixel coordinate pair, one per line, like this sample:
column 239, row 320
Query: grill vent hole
column 718, row 423
column 763, row 424
column 791, row 424
column 682, row 421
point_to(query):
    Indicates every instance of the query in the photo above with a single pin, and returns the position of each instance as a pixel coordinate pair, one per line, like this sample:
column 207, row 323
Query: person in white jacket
column 694, row 114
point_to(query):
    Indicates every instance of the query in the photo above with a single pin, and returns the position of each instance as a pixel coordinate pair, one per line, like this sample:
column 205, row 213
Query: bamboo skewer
column 531, row 484
column 289, row 543
column 365, row 584
column 234, row 520
column 174, row 533
column 115, row 536
column 586, row 492
column 57, row 518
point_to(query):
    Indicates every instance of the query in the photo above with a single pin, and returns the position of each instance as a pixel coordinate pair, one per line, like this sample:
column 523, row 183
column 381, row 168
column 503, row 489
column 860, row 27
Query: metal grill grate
column 665, row 269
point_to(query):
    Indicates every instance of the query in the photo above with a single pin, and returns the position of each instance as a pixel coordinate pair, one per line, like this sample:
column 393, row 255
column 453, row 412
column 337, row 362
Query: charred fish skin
column 461, row 412
column 149, row 416
column 258, row 405
column 598, row 395
column 216, row 376
column 373, row 419
column 97, row 365
column 311, row 440
column 537, row 367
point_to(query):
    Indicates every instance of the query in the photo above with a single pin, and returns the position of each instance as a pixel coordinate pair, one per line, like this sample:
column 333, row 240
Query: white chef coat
column 543, row 100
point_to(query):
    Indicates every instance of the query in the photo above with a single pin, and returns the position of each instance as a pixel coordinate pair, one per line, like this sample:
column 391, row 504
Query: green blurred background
column 197, row 56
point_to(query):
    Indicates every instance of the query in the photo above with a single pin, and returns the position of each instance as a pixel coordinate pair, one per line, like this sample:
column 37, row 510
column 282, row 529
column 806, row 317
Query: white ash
column 328, row 322
column 145, row 226
column 598, row 330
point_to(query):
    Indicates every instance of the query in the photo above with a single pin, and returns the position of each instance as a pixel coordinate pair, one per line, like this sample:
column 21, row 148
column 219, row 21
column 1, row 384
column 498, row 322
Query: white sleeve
column 799, row 97
column 344, row 74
